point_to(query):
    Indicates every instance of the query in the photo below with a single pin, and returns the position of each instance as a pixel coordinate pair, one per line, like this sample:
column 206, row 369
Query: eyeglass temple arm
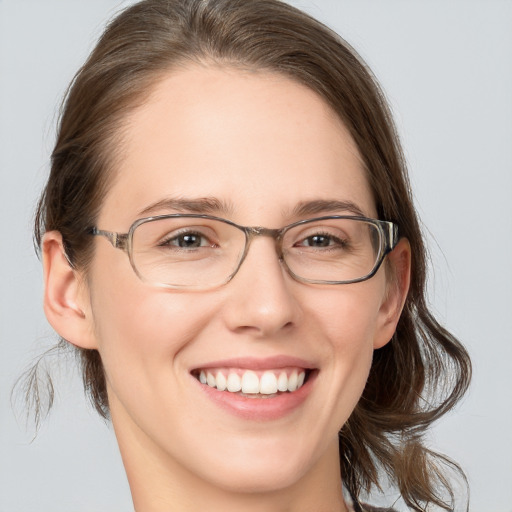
column 392, row 235
column 118, row 240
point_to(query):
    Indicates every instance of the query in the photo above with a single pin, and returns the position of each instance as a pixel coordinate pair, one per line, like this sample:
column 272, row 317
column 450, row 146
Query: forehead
column 257, row 141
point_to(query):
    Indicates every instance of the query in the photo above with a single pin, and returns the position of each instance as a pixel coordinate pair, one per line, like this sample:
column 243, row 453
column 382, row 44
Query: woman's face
column 264, row 151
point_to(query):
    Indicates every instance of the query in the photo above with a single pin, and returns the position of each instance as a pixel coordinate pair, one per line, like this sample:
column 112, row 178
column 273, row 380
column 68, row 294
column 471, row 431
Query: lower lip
column 260, row 409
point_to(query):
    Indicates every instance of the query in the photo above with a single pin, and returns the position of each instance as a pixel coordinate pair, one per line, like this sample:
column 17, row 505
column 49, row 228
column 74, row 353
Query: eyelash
column 339, row 241
column 166, row 242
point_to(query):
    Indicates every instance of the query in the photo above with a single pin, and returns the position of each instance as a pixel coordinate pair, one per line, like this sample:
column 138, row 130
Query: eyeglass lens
column 203, row 252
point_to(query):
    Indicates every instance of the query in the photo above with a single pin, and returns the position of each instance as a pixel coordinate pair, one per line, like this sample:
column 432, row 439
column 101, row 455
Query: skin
column 262, row 144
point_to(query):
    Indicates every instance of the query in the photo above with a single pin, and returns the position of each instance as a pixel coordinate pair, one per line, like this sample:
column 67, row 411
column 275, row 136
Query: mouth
column 257, row 389
column 269, row 383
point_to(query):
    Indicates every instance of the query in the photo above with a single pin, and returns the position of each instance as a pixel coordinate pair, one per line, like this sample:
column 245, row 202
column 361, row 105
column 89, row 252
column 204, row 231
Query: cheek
column 348, row 315
column 348, row 319
column 130, row 316
column 141, row 330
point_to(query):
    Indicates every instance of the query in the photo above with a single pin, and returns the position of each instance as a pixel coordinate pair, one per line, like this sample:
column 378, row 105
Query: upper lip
column 256, row 363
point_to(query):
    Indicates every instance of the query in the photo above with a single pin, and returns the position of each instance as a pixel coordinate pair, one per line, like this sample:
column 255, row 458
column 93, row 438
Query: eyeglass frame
column 388, row 240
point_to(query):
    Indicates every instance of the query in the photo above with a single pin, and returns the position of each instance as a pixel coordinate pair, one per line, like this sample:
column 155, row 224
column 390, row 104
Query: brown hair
column 424, row 370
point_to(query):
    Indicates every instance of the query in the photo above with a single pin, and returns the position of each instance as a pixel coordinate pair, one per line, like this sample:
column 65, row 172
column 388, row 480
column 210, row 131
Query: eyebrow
column 215, row 206
column 326, row 206
column 201, row 205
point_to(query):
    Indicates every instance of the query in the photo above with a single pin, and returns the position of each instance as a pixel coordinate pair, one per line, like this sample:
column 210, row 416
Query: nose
column 260, row 299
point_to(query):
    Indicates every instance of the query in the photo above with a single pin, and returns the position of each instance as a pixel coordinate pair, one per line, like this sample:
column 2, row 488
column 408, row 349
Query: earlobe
column 65, row 296
column 397, row 288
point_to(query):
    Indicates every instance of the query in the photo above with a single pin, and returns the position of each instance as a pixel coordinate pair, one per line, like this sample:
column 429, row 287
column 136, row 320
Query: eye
column 319, row 240
column 322, row 240
column 186, row 240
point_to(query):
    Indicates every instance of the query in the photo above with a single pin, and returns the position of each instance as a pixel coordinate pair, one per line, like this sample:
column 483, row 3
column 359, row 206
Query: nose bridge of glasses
column 261, row 231
column 252, row 232
column 256, row 231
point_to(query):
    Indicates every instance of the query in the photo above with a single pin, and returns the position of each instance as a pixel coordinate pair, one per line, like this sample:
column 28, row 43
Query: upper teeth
column 268, row 383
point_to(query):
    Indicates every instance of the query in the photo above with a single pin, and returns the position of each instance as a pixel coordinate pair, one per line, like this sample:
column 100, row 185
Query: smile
column 257, row 389
column 251, row 383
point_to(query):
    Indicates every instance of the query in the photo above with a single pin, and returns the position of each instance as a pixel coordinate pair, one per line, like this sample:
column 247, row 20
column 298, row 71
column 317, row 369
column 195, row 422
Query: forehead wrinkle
column 200, row 205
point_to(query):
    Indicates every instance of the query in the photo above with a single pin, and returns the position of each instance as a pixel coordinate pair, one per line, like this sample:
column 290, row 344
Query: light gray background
column 447, row 69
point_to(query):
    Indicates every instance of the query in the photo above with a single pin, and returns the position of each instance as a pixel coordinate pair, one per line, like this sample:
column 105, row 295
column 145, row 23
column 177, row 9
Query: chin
column 261, row 468
column 248, row 479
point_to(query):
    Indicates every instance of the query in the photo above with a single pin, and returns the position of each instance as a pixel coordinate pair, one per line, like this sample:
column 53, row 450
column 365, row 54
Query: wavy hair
column 424, row 370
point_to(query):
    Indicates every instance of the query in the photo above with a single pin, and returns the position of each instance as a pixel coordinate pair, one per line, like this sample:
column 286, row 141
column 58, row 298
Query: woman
column 229, row 242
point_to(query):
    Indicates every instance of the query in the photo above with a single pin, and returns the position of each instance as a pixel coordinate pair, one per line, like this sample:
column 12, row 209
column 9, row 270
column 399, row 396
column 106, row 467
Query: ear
column 66, row 298
column 397, row 287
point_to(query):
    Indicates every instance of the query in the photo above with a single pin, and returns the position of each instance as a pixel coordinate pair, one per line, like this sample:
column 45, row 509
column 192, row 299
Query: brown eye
column 318, row 241
column 321, row 240
column 186, row 240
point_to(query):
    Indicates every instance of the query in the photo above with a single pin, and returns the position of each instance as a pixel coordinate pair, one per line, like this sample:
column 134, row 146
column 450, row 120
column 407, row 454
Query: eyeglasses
column 189, row 251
